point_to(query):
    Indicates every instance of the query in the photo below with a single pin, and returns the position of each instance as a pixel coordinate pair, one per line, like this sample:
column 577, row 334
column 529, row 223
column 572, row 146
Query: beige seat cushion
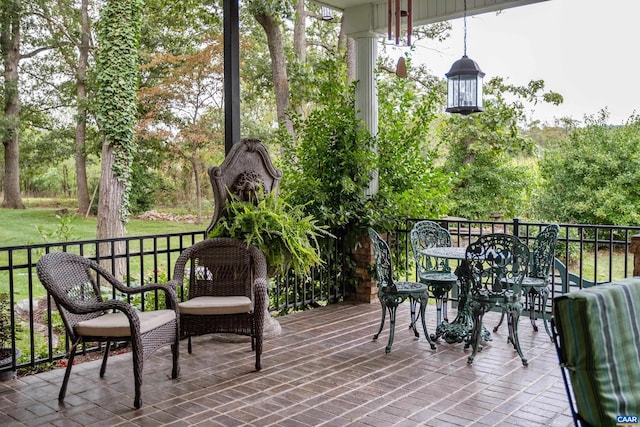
column 117, row 324
column 216, row 305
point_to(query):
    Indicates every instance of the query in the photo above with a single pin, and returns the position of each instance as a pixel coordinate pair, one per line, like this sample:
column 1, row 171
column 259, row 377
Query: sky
column 586, row 50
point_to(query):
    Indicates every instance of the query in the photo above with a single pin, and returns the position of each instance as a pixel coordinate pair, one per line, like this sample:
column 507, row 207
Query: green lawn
column 19, row 227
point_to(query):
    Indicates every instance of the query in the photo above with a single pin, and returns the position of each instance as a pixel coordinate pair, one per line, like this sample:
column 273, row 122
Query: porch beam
column 231, row 22
column 364, row 15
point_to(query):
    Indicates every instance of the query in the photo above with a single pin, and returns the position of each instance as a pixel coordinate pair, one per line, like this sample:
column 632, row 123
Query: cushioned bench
column 597, row 335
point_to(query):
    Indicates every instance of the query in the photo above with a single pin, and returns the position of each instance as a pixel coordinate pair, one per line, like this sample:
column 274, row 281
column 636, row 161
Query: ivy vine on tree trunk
column 117, row 83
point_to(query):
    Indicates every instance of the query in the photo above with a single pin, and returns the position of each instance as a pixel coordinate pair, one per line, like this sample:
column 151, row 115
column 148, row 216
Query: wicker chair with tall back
column 433, row 272
column 77, row 285
column 494, row 267
column 392, row 293
column 536, row 284
column 227, row 291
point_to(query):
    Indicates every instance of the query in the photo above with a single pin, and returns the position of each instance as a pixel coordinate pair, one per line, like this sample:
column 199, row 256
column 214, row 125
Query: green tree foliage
column 329, row 164
column 485, row 149
column 332, row 160
column 592, row 178
column 177, row 26
column 411, row 185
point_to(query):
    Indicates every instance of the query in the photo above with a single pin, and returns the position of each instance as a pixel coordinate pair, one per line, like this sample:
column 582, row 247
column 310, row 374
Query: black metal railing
column 594, row 253
column 38, row 333
column 598, row 253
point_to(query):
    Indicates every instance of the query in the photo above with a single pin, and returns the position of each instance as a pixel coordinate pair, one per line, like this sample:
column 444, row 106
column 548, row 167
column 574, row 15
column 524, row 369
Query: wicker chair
column 227, row 290
column 75, row 283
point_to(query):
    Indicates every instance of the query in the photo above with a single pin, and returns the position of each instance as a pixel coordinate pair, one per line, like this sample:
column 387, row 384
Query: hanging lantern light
column 464, row 82
column 326, row 13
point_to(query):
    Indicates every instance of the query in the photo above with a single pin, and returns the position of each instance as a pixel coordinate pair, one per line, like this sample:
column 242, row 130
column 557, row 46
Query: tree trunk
column 348, row 44
column 469, row 156
column 10, row 47
column 81, row 120
column 196, row 175
column 110, row 221
column 299, row 32
column 278, row 67
column 351, row 59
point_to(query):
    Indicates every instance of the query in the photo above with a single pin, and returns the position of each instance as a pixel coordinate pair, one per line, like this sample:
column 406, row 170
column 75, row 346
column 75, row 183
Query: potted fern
column 287, row 237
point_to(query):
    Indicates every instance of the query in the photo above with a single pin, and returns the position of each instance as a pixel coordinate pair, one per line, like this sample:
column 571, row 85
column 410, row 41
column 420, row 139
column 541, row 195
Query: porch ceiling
column 367, row 15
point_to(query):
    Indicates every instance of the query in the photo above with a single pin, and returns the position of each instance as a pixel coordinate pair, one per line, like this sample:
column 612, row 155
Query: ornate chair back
column 382, row 255
column 246, row 172
column 428, row 234
column 543, row 252
column 497, row 265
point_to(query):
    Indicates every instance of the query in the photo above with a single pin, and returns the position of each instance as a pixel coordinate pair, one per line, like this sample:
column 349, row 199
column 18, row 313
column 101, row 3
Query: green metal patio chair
column 495, row 267
column 392, row 293
column 536, row 284
column 433, row 272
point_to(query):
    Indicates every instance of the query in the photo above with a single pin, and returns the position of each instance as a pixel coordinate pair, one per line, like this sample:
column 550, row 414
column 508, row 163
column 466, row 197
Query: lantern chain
column 465, row 27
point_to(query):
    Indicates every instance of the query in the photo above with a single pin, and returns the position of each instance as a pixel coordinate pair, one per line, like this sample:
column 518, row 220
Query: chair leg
column 513, row 315
column 390, row 303
column 412, row 309
column 440, row 293
column 258, row 338
column 253, row 334
column 67, row 372
column 384, row 312
column 392, row 306
column 258, row 353
column 475, row 337
column 531, row 303
column 138, row 364
column 495, row 328
column 175, row 352
column 544, row 297
column 189, row 349
column 105, row 356
column 424, row 300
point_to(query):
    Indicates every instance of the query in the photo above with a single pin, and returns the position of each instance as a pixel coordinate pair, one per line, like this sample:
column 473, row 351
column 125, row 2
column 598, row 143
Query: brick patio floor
column 324, row 369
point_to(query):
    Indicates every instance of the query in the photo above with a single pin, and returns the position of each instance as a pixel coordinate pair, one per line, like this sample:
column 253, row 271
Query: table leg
column 459, row 329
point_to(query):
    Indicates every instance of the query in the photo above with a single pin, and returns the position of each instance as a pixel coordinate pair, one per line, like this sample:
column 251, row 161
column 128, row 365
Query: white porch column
column 366, row 90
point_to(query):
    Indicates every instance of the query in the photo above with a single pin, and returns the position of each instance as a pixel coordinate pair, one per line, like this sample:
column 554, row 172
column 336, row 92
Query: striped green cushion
column 599, row 332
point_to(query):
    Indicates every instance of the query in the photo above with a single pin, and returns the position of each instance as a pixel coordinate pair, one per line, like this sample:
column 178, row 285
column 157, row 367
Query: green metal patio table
column 459, row 329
